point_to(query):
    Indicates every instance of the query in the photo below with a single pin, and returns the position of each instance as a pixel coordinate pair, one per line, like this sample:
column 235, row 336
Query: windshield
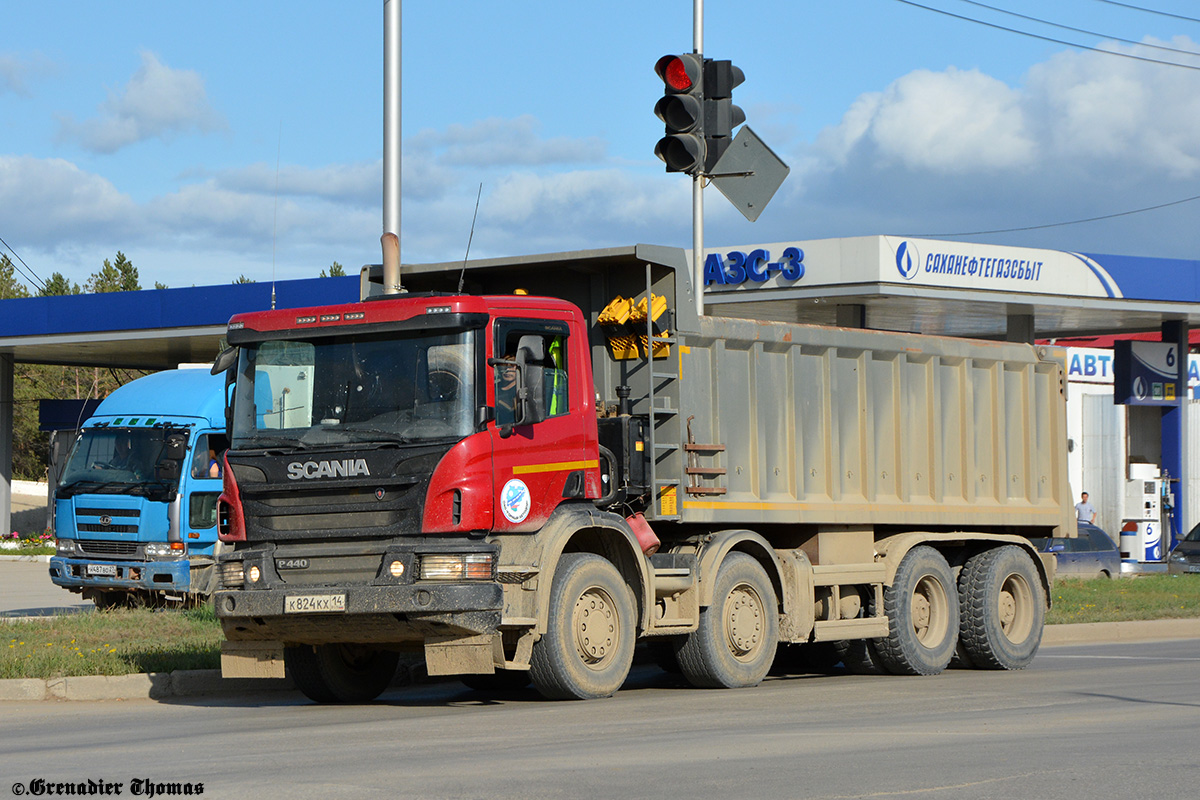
column 121, row 461
column 333, row 390
column 1193, row 535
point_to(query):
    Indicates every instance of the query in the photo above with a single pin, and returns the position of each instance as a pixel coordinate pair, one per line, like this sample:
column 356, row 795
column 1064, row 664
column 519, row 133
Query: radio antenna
column 275, row 221
column 463, row 273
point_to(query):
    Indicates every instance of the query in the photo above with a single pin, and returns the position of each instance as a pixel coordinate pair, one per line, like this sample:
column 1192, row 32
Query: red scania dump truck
column 521, row 485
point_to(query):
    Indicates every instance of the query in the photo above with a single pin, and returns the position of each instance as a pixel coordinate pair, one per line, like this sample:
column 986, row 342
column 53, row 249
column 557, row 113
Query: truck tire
column 587, row 649
column 502, row 680
column 340, row 673
column 735, row 644
column 1003, row 608
column 106, row 601
column 922, row 611
column 861, row 657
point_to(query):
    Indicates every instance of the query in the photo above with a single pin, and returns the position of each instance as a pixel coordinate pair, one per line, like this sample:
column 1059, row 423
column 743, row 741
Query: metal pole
column 390, row 241
column 698, row 180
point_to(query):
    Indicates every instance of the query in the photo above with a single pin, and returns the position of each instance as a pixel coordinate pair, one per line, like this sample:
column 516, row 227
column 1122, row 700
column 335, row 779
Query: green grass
column 116, row 642
column 124, row 641
column 1107, row 600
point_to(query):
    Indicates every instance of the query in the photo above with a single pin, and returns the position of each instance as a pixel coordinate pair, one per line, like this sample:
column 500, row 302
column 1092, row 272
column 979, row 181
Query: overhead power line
column 1047, row 38
column 1081, row 30
column 1149, row 10
column 1060, row 224
column 29, row 275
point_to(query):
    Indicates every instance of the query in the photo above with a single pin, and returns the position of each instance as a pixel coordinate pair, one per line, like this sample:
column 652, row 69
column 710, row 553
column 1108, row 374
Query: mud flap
column 464, row 655
column 252, row 660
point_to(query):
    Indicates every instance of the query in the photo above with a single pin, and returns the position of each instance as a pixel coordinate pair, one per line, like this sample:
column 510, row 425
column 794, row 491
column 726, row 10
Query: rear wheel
column 922, row 610
column 736, row 641
column 587, row 648
column 341, row 673
column 1003, row 608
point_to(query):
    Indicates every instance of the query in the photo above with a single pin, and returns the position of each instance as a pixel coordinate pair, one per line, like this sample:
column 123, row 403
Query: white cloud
column 45, row 199
column 1085, row 134
column 158, row 103
column 938, row 121
column 358, row 184
column 16, row 72
column 504, row 142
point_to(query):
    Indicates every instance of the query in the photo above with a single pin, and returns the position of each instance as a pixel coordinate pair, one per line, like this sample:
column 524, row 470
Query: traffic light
column 682, row 110
column 721, row 116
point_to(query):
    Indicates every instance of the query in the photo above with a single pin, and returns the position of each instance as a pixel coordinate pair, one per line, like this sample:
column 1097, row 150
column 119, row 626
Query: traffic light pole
column 698, row 179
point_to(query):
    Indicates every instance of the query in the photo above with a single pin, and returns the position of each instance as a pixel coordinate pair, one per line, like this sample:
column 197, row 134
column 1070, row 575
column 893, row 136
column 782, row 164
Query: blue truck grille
column 100, row 520
column 93, row 547
column 91, row 527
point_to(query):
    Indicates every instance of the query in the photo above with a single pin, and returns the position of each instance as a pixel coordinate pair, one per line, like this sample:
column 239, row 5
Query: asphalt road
column 26, row 591
column 1098, row 721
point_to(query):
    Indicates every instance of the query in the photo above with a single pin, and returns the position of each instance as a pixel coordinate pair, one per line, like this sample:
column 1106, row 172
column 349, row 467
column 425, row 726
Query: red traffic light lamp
column 681, row 109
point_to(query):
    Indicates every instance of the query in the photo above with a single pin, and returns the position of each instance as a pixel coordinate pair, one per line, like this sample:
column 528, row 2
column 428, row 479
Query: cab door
column 537, row 465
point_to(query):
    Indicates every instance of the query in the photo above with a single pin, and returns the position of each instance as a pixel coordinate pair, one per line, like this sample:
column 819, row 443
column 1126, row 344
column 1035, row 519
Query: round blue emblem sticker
column 514, row 500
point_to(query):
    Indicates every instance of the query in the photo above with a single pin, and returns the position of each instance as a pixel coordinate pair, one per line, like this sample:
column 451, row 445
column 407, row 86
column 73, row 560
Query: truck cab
column 136, row 507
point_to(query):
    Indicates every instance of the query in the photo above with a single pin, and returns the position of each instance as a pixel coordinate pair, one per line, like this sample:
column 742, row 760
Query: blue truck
column 136, row 507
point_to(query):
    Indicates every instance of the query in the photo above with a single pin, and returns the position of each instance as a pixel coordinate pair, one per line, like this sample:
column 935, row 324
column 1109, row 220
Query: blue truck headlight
column 65, row 547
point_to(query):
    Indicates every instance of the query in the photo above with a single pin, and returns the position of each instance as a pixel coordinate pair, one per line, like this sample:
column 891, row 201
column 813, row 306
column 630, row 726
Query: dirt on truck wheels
column 341, row 673
column 587, row 649
column 922, row 609
column 735, row 644
column 1003, row 608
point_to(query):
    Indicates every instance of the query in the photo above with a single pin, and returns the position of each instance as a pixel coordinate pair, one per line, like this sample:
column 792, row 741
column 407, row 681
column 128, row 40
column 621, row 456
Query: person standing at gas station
column 1085, row 511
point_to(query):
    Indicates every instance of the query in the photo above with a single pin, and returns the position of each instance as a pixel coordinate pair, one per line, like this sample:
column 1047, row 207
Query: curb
column 209, row 683
column 139, row 686
column 1118, row 632
column 43, row 559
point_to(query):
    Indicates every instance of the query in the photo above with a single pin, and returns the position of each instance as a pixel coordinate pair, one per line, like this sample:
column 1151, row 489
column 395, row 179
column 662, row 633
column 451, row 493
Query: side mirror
column 225, row 360
column 1056, row 548
column 531, row 400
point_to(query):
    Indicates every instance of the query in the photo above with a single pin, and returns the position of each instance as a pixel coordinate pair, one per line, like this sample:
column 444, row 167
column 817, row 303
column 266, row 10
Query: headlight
column 233, row 576
column 458, row 567
column 66, row 547
column 166, row 550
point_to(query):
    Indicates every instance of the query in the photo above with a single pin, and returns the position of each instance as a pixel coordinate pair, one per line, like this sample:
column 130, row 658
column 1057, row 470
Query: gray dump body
column 834, row 426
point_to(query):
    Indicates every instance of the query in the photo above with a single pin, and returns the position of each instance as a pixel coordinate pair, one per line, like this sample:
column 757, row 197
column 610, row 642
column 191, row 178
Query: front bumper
column 171, row 576
column 392, row 614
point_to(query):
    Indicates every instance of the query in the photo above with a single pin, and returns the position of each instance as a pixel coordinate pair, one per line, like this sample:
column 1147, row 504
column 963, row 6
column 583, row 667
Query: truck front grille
column 380, row 509
column 103, row 520
column 93, row 547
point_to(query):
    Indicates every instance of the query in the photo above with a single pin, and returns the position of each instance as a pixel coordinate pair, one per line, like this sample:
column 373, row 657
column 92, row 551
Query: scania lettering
column 136, row 507
column 539, row 482
column 328, row 469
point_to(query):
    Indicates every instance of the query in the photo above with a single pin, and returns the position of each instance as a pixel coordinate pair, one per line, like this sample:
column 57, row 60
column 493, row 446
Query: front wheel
column 735, row 643
column 587, row 649
column 1004, row 608
column 340, row 673
column 922, row 611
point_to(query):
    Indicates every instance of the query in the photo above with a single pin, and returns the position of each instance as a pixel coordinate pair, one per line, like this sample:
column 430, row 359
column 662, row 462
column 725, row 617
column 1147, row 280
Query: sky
column 208, row 141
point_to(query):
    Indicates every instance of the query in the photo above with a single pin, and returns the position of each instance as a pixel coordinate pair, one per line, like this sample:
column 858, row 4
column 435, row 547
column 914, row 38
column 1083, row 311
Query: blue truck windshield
column 120, row 461
column 338, row 390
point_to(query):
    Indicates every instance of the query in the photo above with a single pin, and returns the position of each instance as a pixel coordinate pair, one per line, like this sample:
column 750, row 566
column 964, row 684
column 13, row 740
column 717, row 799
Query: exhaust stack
column 390, row 241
